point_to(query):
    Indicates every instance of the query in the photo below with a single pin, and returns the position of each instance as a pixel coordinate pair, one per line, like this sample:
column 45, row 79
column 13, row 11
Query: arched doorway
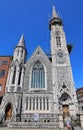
column 65, row 100
column 8, row 111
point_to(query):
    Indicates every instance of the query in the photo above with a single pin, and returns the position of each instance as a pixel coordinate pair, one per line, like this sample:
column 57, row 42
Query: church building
column 40, row 91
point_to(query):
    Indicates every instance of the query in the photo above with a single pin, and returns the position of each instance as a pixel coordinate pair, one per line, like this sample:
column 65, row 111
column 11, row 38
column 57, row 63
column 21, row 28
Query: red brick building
column 4, row 67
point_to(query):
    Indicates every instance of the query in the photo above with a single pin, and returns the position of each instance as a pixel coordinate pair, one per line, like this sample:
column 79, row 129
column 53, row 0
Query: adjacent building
column 4, row 67
column 40, row 91
column 79, row 93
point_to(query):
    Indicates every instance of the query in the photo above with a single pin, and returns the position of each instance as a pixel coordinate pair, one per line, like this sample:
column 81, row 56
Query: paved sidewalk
column 6, row 128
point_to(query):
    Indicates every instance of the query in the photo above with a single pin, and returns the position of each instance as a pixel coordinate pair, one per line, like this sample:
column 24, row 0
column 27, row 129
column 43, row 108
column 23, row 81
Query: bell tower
column 63, row 83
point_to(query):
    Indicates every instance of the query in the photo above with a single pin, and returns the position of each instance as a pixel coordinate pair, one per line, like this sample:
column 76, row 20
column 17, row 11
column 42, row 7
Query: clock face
column 60, row 54
column 60, row 57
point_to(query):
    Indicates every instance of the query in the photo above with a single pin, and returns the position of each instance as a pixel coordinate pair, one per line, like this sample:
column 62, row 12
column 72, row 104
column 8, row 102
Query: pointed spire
column 21, row 41
column 55, row 19
column 54, row 14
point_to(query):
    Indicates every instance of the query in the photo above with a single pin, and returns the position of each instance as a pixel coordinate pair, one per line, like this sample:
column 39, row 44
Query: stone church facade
column 40, row 90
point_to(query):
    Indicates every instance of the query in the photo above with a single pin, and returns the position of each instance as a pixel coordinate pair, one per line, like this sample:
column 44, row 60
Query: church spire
column 21, row 42
column 54, row 14
column 20, row 51
column 55, row 20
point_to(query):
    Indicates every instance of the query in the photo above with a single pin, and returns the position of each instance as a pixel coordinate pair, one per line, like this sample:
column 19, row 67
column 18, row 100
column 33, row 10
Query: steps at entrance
column 5, row 123
column 33, row 125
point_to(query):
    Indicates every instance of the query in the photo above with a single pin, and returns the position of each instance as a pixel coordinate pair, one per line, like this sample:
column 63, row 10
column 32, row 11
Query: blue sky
column 31, row 18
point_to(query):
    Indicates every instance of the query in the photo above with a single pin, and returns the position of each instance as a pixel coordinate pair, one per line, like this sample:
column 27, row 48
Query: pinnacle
column 21, row 41
column 54, row 14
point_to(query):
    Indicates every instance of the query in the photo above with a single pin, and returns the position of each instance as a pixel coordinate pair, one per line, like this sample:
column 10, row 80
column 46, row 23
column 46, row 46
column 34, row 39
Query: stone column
column 22, row 78
column 16, row 79
column 81, row 120
column 8, row 79
column 28, row 103
column 42, row 104
column 35, row 103
column 61, row 121
column 39, row 103
column 45, row 103
column 32, row 103
column 11, row 78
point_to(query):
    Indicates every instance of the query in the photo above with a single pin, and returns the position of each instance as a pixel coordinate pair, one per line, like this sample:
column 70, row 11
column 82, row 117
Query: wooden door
column 8, row 112
column 65, row 109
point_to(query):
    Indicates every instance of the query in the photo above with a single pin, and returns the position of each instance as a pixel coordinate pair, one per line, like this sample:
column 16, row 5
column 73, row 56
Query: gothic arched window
column 58, row 40
column 14, row 75
column 38, row 76
column 19, row 80
column 17, row 52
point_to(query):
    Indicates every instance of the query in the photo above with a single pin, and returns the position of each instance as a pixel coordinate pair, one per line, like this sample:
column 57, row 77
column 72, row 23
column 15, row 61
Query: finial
column 54, row 14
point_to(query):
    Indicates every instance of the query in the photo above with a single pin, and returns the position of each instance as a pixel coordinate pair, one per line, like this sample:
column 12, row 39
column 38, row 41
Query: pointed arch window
column 27, row 102
column 19, row 80
column 38, row 76
column 47, row 103
column 14, row 75
column 21, row 52
column 17, row 52
column 58, row 40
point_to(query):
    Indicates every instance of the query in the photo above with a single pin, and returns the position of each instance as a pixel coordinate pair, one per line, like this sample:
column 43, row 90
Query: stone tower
column 11, row 103
column 63, row 83
column 16, row 74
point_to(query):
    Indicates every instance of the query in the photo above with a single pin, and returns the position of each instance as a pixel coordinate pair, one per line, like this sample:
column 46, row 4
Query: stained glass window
column 38, row 76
